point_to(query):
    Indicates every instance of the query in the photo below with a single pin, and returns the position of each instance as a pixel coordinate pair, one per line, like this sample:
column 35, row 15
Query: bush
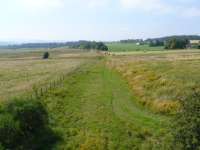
column 199, row 47
column 31, row 115
column 21, row 122
column 187, row 126
column 9, row 131
column 46, row 55
column 176, row 43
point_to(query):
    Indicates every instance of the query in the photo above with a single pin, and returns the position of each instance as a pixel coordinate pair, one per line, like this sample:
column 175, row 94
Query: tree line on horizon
column 87, row 45
column 90, row 45
column 169, row 42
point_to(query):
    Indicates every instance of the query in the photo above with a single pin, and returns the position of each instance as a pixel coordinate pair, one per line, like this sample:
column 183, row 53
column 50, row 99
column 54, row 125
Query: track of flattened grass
column 96, row 110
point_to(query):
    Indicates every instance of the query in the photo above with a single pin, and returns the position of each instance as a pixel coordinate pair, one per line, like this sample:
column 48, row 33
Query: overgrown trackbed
column 96, row 110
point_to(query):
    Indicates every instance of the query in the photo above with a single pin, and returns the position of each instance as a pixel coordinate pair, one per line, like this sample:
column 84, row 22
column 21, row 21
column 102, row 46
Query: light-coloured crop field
column 20, row 72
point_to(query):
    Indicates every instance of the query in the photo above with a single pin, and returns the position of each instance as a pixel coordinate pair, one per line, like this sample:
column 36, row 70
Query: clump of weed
column 187, row 121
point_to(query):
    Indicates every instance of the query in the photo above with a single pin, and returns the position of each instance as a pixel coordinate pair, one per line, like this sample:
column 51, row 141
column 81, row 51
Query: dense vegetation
column 131, row 41
column 179, row 37
column 154, row 43
column 90, row 45
column 176, row 43
column 162, row 39
column 187, row 122
column 24, row 125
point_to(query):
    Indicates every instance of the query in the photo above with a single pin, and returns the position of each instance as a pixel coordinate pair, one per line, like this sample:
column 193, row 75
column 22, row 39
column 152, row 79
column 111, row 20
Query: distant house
column 138, row 43
column 194, row 43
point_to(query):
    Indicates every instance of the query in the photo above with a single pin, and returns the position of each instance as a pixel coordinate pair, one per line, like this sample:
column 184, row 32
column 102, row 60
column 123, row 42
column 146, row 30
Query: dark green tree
column 175, row 43
column 46, row 55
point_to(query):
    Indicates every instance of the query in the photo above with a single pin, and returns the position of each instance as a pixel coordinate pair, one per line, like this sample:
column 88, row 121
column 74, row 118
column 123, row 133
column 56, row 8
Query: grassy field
column 21, row 71
column 120, row 101
column 159, row 79
column 96, row 110
column 127, row 47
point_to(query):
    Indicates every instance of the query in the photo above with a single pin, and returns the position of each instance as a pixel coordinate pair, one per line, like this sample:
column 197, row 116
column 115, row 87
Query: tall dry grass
column 159, row 81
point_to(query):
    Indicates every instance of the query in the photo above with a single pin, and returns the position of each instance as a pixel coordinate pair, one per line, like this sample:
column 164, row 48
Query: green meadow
column 128, row 47
column 100, row 102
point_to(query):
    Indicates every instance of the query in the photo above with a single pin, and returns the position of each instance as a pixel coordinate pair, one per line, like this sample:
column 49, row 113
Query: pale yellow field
column 21, row 72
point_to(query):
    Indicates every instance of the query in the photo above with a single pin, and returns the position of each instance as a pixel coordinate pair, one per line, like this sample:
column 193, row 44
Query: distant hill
column 35, row 45
column 5, row 43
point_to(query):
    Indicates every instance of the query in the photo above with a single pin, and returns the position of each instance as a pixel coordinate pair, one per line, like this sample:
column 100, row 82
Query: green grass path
column 96, row 110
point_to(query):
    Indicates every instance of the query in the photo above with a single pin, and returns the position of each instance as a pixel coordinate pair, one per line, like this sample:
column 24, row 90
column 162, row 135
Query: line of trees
column 169, row 42
column 90, row 45
column 155, row 43
column 163, row 39
column 132, row 41
column 76, row 44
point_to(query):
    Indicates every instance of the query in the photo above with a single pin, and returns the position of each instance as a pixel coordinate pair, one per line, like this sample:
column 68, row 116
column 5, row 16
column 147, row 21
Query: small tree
column 46, row 55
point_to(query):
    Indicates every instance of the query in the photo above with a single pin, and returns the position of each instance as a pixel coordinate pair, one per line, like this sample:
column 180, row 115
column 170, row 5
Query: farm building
column 194, row 43
column 138, row 43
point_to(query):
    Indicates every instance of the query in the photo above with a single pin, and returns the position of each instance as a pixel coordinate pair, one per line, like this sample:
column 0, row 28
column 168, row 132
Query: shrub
column 31, row 115
column 9, row 131
column 46, row 55
column 21, row 123
column 187, row 126
column 199, row 47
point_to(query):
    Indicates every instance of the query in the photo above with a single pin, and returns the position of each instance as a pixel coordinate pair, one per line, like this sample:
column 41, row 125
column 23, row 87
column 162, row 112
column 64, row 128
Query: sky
column 101, row 20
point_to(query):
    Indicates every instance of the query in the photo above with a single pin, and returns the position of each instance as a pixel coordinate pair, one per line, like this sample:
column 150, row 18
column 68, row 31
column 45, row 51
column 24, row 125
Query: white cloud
column 181, row 8
column 145, row 5
column 96, row 3
column 40, row 4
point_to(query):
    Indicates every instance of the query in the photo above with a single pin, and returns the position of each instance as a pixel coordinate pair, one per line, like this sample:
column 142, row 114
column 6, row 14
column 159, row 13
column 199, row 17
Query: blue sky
column 64, row 20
